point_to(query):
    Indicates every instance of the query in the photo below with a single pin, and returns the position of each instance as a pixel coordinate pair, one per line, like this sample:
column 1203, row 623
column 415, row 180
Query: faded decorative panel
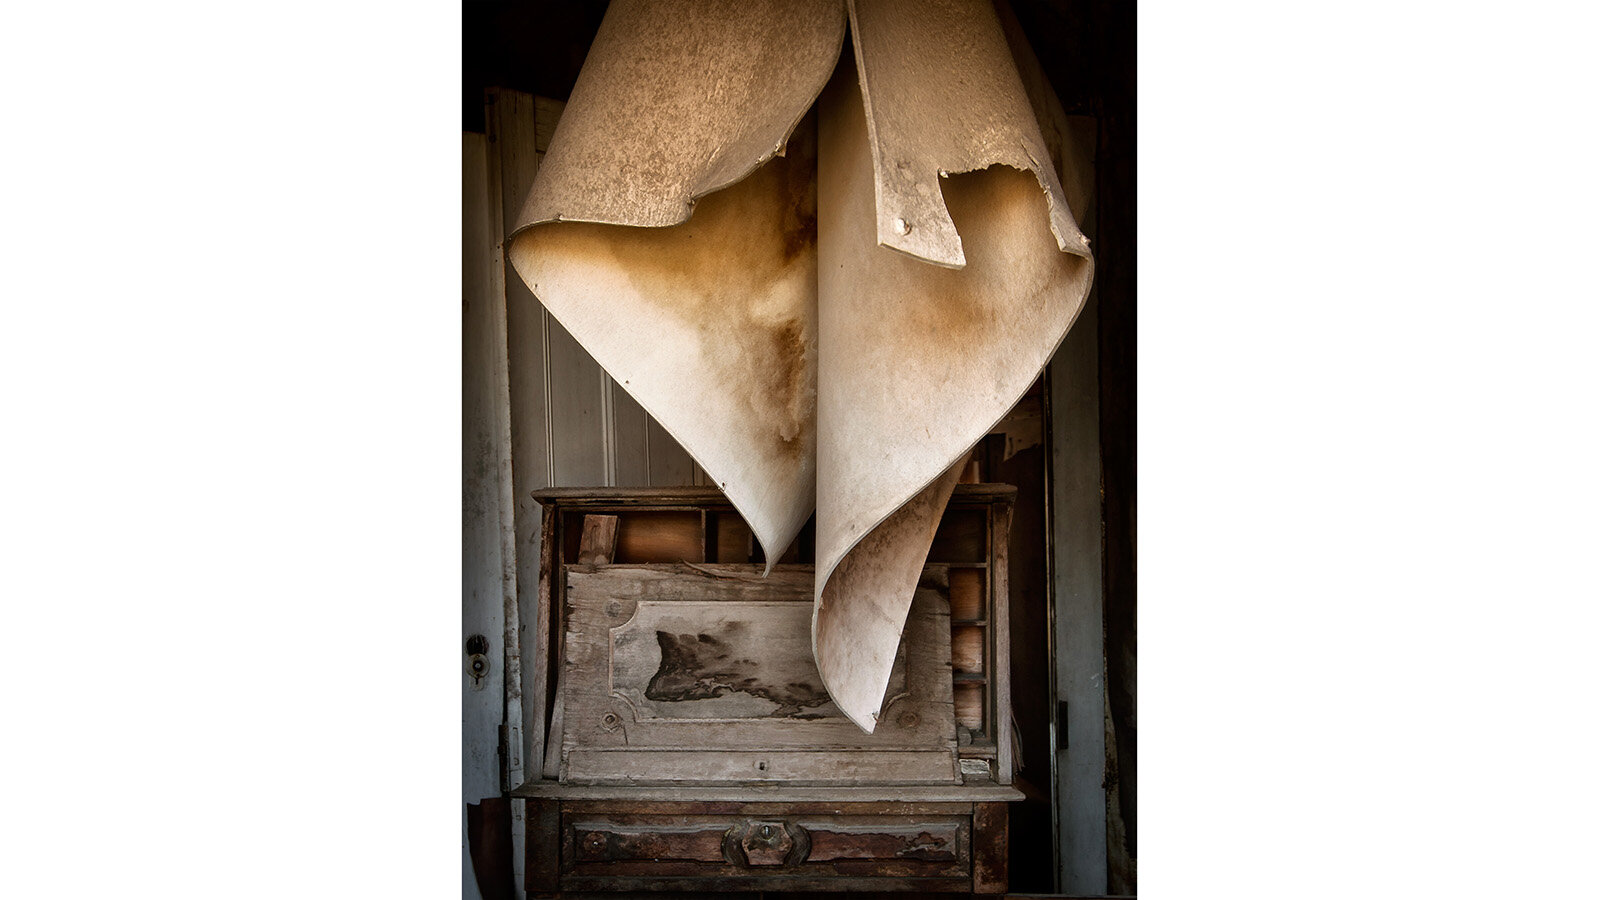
column 688, row 660
column 698, row 673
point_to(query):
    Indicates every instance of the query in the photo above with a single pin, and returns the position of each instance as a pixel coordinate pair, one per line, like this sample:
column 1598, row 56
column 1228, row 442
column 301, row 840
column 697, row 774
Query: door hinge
column 505, row 759
column 510, row 753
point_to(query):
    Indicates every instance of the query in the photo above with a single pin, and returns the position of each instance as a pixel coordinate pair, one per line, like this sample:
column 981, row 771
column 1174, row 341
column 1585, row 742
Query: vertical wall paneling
column 577, row 417
column 630, row 439
column 670, row 464
column 483, row 550
column 561, row 421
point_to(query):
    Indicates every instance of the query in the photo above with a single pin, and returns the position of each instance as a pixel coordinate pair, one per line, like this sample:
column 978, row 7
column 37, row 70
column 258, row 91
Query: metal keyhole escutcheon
column 477, row 650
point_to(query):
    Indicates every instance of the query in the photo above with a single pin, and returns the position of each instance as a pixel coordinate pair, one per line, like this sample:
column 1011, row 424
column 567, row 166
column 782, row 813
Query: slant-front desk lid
column 703, row 674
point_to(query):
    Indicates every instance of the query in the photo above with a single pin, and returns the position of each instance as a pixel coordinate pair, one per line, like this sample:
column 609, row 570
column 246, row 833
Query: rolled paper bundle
column 666, row 537
column 966, row 649
column 966, row 594
column 969, row 706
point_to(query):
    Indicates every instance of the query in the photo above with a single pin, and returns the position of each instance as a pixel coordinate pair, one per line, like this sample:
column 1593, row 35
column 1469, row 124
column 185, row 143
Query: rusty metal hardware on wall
column 477, row 650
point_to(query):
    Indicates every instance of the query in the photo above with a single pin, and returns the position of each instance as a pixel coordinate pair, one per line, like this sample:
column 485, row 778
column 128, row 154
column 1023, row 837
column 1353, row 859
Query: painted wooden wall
column 485, row 490
column 537, row 411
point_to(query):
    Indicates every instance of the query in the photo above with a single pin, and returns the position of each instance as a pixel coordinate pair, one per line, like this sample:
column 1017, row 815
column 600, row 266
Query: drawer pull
column 751, row 843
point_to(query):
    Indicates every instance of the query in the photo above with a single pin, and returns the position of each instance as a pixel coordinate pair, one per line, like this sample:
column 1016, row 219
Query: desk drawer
column 742, row 851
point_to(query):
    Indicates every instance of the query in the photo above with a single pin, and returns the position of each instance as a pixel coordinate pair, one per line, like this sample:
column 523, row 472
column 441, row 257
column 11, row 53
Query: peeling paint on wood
column 701, row 673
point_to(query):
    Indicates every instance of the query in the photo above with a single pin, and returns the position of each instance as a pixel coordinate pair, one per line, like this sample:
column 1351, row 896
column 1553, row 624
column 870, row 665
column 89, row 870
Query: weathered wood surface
column 1079, row 626
column 896, row 837
column 537, row 643
column 552, row 753
column 759, row 798
column 718, row 885
column 999, row 636
column 991, row 851
column 611, row 840
column 543, row 859
column 791, row 845
column 598, row 546
column 554, row 423
column 970, row 706
column 513, row 163
column 963, row 537
column 696, row 673
column 966, row 594
column 885, row 846
column 482, row 608
column 661, row 537
column 512, row 743
column 965, row 495
column 708, row 766
column 966, row 649
column 691, row 660
column 733, row 539
column 482, row 550
column 970, row 505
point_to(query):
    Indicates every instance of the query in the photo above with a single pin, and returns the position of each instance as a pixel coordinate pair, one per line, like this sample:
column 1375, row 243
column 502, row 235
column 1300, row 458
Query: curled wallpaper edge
column 940, row 352
column 802, row 322
column 667, row 155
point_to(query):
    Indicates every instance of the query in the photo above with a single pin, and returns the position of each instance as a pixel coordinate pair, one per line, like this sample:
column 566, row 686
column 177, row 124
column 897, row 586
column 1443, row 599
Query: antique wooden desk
column 687, row 743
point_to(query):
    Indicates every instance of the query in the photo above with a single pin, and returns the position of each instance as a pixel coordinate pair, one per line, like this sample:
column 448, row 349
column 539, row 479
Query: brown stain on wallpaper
column 731, row 271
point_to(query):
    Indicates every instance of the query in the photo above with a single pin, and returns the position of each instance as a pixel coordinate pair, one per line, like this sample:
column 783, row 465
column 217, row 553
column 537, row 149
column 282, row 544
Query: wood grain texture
column 543, row 863
column 967, row 649
column 669, row 829
column 661, row 537
column 966, row 594
column 598, row 545
column 513, row 164
column 614, row 841
column 963, row 536
column 482, row 607
column 582, row 497
column 970, row 707
column 538, row 642
column 911, row 799
column 628, row 843
column 718, row 884
column 992, row 849
column 733, row 538
column 929, row 840
column 710, row 766
column 701, row 673
column 999, row 528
